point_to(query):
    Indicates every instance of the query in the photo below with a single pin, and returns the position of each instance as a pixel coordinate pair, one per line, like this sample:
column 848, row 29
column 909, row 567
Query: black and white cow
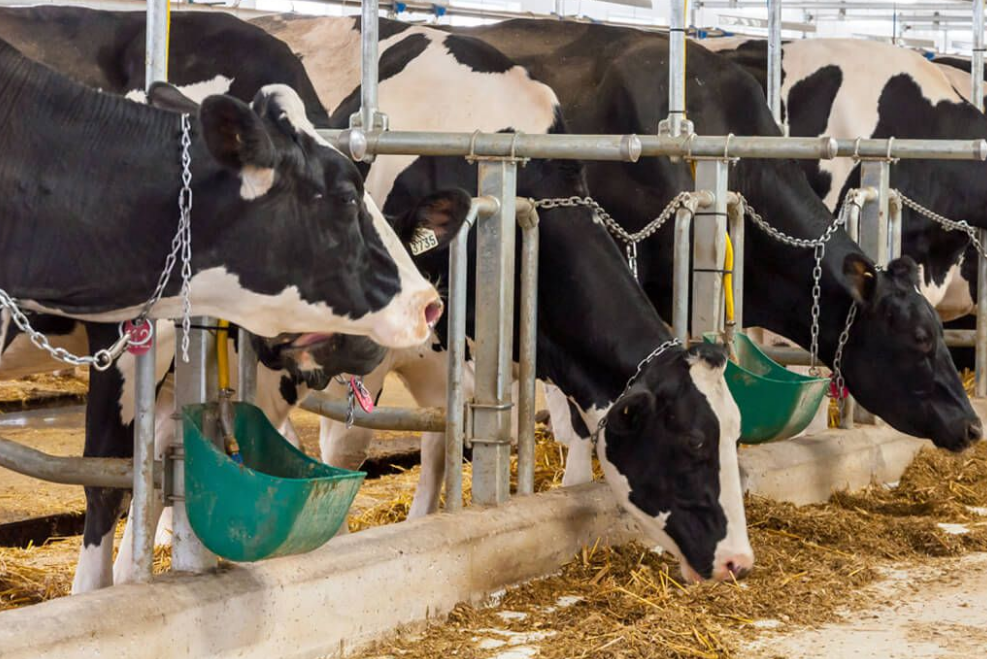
column 669, row 450
column 208, row 52
column 614, row 81
column 287, row 370
column 901, row 94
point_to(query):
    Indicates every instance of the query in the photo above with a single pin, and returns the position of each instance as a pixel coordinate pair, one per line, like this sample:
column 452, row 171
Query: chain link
column 838, row 358
column 601, row 216
column 664, row 347
column 181, row 246
column 818, row 246
column 945, row 222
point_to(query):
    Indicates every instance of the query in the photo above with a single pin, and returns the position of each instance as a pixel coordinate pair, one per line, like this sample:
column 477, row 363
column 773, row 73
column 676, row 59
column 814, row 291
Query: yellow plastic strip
column 728, row 279
column 222, row 354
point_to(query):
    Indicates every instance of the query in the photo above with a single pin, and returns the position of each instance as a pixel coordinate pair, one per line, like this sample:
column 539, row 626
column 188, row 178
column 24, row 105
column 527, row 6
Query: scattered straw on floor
column 812, row 562
column 388, row 500
column 73, row 382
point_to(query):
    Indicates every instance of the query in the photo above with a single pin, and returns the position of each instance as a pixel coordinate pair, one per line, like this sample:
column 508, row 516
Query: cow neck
column 778, row 278
column 95, row 179
column 595, row 322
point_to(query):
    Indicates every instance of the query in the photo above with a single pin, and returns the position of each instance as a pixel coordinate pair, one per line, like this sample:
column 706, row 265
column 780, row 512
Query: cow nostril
column 974, row 431
column 433, row 312
column 736, row 570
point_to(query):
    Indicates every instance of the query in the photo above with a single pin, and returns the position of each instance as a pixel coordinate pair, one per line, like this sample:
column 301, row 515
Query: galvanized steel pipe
column 682, row 268
column 527, row 218
column 426, row 419
column 628, row 148
column 96, row 472
column 369, row 32
column 913, row 149
column 156, row 42
column 977, row 80
column 456, row 319
column 246, row 367
column 960, row 338
column 774, row 60
column 144, row 524
column 676, row 67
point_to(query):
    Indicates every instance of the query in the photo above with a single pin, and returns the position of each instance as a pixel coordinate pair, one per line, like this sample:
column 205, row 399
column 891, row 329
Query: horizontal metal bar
column 96, row 472
column 575, row 147
column 631, row 147
column 914, row 149
column 961, row 338
column 787, row 356
column 426, row 419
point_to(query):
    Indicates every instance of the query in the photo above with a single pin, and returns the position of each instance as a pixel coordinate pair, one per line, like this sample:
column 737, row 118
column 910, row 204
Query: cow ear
column 236, row 137
column 168, row 97
column 860, row 278
column 630, row 412
column 434, row 221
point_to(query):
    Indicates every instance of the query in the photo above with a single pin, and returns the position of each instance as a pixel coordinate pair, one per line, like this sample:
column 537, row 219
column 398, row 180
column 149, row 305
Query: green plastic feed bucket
column 279, row 502
column 774, row 403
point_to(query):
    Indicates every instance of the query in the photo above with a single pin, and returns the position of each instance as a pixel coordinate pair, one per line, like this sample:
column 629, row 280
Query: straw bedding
column 73, row 383
column 812, row 564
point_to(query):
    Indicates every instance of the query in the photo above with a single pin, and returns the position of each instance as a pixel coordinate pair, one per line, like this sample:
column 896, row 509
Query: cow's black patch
column 288, row 390
column 398, row 56
column 578, row 424
column 385, row 29
column 477, row 55
column 810, row 104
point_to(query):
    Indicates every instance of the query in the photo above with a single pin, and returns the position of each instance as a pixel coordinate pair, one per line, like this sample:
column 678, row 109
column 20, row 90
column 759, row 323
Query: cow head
column 315, row 358
column 916, row 385
column 669, row 451
column 304, row 249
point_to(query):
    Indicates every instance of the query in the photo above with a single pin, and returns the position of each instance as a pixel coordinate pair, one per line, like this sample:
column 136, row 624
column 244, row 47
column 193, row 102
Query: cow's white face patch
column 197, row 91
column 735, row 545
column 255, row 181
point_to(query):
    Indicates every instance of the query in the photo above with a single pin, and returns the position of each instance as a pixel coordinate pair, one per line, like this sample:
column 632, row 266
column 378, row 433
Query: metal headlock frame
column 485, row 421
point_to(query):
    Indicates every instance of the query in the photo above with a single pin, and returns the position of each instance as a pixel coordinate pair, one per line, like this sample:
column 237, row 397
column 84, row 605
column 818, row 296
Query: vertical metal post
column 977, row 75
column 193, row 384
column 528, row 220
column 369, row 117
column 456, row 318
column 774, row 60
column 709, row 249
column 735, row 220
column 145, row 385
column 676, row 69
column 875, row 234
column 246, row 367
column 144, row 493
column 894, row 210
column 156, row 41
column 681, row 275
column 491, row 433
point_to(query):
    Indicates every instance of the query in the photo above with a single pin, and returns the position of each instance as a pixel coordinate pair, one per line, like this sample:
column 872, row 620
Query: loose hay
column 388, row 500
column 812, row 563
column 71, row 383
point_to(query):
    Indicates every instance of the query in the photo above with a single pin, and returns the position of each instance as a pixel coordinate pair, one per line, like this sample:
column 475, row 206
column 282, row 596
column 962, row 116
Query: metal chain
column 838, row 358
column 603, row 217
column 637, row 373
column 818, row 246
column 945, row 222
column 181, row 245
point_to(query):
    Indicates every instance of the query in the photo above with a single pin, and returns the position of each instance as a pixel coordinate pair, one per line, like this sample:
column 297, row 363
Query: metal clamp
column 468, row 437
column 887, row 157
column 174, row 453
column 472, row 158
column 726, row 151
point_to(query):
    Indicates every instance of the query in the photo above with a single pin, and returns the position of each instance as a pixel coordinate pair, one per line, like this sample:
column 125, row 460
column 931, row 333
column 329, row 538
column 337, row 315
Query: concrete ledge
column 809, row 469
column 333, row 600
